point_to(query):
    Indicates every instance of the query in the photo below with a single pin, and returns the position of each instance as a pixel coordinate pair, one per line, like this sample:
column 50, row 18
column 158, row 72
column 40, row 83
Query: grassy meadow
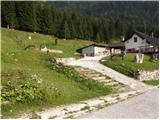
column 27, row 73
column 128, row 66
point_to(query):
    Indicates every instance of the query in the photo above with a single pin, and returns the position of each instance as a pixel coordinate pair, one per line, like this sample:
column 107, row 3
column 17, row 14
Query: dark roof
column 116, row 45
column 100, row 44
column 149, row 39
column 96, row 44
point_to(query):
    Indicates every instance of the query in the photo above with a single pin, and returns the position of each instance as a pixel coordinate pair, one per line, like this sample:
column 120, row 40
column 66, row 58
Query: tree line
column 45, row 18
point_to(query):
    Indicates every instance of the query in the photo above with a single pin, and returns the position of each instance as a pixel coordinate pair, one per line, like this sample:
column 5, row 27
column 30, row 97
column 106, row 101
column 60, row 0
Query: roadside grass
column 19, row 64
column 128, row 66
column 152, row 82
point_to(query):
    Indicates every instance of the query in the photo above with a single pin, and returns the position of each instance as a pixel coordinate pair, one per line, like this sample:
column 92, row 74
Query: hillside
column 100, row 21
column 29, row 81
column 140, row 15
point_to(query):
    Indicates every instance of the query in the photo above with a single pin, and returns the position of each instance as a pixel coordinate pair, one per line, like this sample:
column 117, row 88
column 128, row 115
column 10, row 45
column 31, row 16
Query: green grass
column 152, row 82
column 128, row 66
column 30, row 62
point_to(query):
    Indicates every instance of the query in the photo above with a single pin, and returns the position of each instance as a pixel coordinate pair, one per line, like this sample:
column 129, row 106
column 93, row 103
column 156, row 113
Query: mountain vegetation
column 97, row 21
column 30, row 82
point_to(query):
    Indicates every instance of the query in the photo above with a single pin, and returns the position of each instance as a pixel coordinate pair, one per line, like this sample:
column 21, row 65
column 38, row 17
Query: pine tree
column 81, row 32
column 90, row 30
column 73, row 30
column 26, row 15
column 39, row 16
column 85, row 29
column 56, row 22
column 8, row 14
column 47, row 19
column 67, row 31
column 98, row 37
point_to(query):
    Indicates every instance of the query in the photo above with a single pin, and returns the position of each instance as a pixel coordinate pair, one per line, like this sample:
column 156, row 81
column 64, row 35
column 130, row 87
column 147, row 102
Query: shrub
column 28, row 90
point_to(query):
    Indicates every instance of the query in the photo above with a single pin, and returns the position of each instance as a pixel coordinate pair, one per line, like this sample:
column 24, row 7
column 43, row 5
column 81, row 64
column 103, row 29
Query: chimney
column 152, row 35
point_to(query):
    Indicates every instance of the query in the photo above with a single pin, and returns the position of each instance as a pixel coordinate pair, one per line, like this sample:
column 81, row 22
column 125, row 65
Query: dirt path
column 93, row 63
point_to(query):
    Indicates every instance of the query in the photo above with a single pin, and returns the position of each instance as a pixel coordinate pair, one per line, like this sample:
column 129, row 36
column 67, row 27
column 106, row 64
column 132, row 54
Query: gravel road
column 143, row 106
column 93, row 63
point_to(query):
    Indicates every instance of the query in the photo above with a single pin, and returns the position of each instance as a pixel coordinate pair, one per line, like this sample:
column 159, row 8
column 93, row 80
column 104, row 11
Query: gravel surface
column 93, row 63
column 143, row 106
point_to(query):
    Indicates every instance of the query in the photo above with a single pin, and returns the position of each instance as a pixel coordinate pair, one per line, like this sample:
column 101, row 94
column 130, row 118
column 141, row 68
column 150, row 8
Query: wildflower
column 39, row 81
column 34, row 77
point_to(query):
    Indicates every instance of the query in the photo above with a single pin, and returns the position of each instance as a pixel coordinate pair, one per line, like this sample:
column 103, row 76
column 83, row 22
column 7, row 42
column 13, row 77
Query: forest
column 95, row 21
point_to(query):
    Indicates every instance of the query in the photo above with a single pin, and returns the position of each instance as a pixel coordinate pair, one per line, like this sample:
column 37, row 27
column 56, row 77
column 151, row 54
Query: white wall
column 99, row 50
column 129, row 44
column 94, row 51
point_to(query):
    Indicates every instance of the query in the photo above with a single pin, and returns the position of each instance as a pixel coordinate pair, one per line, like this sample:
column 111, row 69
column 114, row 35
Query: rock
column 63, row 61
column 99, row 78
column 94, row 102
column 148, row 75
column 111, row 83
column 45, row 49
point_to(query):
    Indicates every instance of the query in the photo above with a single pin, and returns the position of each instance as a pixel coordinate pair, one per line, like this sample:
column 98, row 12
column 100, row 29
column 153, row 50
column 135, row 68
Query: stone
column 75, row 107
column 63, row 61
column 45, row 49
column 99, row 78
column 94, row 102
column 148, row 75
column 111, row 83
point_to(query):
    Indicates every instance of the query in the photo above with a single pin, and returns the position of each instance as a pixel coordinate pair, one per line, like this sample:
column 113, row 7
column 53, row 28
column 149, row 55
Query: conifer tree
column 26, row 15
column 98, row 37
column 73, row 30
column 39, row 16
column 47, row 19
column 67, row 31
column 8, row 14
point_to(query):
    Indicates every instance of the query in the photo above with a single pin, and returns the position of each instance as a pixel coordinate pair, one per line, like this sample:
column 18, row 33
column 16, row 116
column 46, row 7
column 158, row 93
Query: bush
column 28, row 90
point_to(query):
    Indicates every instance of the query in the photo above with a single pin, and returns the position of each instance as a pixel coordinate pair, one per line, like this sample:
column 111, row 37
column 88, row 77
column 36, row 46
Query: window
column 135, row 39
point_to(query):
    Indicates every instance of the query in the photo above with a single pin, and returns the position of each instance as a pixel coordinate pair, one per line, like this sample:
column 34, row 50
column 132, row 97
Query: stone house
column 141, row 42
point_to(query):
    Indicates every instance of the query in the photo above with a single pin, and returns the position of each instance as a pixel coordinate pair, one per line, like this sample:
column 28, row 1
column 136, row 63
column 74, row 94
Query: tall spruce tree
column 47, row 20
column 73, row 30
column 39, row 16
column 67, row 31
column 8, row 14
column 98, row 39
column 26, row 15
